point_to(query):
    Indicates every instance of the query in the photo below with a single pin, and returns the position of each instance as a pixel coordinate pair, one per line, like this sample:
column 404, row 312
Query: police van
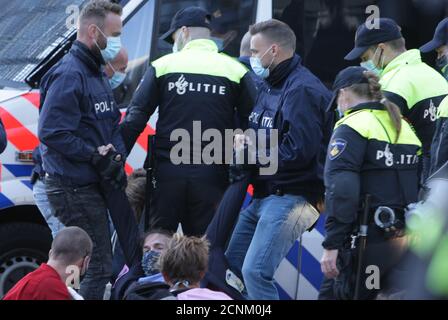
column 35, row 34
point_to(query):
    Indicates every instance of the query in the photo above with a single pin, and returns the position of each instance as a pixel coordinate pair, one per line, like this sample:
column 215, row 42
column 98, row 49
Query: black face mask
column 442, row 65
column 82, row 275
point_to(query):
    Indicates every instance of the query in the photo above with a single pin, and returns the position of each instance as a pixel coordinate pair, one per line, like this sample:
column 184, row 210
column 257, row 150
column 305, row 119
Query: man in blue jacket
column 293, row 101
column 80, row 143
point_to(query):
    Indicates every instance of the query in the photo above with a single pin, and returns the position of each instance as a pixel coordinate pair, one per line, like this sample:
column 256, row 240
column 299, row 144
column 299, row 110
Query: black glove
column 110, row 168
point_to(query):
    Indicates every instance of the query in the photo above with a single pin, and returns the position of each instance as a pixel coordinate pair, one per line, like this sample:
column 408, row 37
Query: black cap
column 365, row 38
column 188, row 17
column 346, row 78
column 440, row 37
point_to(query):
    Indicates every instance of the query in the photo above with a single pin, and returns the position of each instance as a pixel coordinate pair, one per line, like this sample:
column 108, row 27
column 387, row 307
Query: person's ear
column 92, row 31
column 382, row 46
column 275, row 50
column 202, row 274
column 50, row 253
column 85, row 263
column 108, row 71
column 186, row 32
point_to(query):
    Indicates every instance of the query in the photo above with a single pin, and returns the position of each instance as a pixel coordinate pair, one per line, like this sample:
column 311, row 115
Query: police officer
column 78, row 129
column 196, row 88
column 440, row 44
column 412, row 85
column 372, row 151
column 114, row 71
column 439, row 147
column 290, row 107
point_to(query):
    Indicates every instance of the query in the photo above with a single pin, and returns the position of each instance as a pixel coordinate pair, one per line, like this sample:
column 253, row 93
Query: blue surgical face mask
column 117, row 78
column 150, row 262
column 371, row 66
column 176, row 44
column 257, row 66
column 112, row 48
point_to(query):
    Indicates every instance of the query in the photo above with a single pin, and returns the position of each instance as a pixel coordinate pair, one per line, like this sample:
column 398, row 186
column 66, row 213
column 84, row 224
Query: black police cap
column 366, row 37
column 188, row 17
column 440, row 37
column 346, row 78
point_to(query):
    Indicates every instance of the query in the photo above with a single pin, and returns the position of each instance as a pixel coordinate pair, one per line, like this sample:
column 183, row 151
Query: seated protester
column 154, row 242
column 218, row 277
column 183, row 265
column 72, row 246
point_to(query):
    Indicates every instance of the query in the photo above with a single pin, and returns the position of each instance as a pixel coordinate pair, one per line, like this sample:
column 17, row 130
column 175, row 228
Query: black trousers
column 85, row 207
column 384, row 254
column 186, row 194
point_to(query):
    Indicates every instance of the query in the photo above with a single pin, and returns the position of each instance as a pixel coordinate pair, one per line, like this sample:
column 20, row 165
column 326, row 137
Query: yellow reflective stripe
column 367, row 124
column 414, row 82
column 200, row 60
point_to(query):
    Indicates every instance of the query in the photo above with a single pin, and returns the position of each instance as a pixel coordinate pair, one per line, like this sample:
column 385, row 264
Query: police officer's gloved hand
column 110, row 168
column 241, row 167
column 120, row 182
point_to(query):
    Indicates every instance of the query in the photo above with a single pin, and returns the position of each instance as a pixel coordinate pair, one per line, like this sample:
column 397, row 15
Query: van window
column 325, row 29
column 230, row 21
column 29, row 30
column 136, row 37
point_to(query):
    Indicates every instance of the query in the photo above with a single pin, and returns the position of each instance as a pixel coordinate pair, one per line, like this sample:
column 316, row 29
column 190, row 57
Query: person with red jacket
column 69, row 258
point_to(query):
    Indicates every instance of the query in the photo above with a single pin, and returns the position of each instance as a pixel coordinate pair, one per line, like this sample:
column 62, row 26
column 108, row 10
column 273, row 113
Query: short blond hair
column 186, row 258
column 98, row 10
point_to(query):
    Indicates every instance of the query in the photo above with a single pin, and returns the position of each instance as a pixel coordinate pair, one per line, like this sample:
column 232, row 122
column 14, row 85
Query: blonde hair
column 186, row 258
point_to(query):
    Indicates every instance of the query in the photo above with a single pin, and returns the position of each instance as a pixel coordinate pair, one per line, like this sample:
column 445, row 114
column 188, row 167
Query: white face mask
column 341, row 109
column 178, row 46
column 257, row 65
column 340, row 113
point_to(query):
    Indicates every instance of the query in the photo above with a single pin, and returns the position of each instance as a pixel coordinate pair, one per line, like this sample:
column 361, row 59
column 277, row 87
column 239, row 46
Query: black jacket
column 294, row 102
column 363, row 158
column 195, row 84
column 78, row 114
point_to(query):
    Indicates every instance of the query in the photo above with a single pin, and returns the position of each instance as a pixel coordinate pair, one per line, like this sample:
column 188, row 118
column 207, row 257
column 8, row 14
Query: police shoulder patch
column 337, row 147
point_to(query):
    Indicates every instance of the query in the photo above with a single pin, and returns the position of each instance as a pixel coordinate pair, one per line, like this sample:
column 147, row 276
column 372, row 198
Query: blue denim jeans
column 263, row 235
column 41, row 199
